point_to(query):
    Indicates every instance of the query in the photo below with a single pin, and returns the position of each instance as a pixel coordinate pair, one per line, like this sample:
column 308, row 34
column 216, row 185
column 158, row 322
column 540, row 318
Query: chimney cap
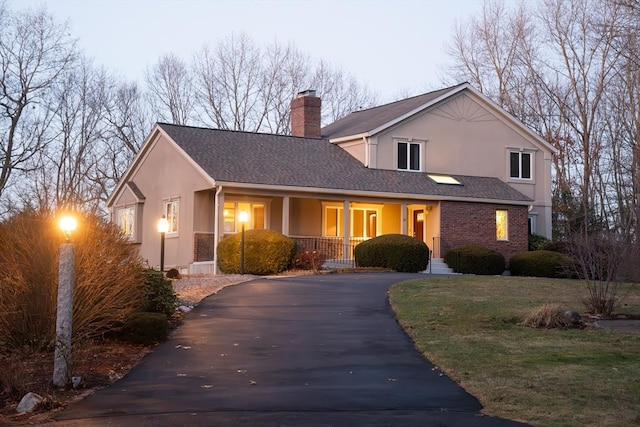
column 308, row 92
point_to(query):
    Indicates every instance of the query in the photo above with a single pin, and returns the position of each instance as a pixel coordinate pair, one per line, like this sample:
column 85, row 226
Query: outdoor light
column 68, row 225
column 163, row 227
column 64, row 311
column 242, row 218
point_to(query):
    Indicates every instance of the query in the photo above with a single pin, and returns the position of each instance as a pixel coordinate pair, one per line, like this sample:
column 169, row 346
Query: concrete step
column 438, row 266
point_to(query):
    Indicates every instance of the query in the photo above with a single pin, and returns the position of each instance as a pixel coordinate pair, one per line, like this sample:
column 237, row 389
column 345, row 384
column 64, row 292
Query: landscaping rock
column 573, row 317
column 184, row 309
column 28, row 402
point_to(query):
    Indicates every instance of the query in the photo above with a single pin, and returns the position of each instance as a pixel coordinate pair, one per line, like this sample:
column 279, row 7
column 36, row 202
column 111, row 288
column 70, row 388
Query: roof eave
column 375, row 194
column 349, row 138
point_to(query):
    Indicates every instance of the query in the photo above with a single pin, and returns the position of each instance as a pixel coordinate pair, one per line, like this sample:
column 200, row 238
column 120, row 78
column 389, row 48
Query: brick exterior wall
column 305, row 115
column 465, row 223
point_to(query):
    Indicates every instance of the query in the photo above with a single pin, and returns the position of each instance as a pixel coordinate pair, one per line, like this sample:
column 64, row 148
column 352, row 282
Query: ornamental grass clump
column 108, row 284
column 548, row 316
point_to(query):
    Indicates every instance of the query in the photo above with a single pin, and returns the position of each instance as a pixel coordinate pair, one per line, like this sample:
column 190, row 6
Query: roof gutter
column 374, row 194
column 349, row 138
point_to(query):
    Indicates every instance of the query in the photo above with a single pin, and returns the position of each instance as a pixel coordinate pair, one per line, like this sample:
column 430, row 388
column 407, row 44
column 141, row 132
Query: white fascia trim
column 133, row 166
column 369, row 194
column 148, row 144
column 350, row 137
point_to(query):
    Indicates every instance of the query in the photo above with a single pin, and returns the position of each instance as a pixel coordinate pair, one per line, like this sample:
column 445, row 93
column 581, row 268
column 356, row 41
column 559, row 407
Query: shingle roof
column 244, row 157
column 366, row 120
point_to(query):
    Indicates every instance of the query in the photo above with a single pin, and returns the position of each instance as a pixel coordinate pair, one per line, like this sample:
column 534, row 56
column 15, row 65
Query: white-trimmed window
column 256, row 213
column 333, row 223
column 171, row 211
column 126, row 220
column 520, row 165
column 409, row 155
column 364, row 221
column 502, row 224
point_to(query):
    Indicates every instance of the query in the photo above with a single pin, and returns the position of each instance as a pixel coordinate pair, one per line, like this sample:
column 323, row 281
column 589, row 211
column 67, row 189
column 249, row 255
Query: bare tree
column 34, row 51
column 170, row 90
column 229, row 80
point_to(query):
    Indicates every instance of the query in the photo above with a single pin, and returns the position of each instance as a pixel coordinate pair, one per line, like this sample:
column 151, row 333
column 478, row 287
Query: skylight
column 444, row 179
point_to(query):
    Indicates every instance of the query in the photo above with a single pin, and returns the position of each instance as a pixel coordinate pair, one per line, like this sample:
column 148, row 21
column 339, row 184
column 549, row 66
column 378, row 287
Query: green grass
column 468, row 326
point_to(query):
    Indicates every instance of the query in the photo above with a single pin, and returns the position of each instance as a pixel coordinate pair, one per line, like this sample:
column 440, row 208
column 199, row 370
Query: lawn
column 468, row 326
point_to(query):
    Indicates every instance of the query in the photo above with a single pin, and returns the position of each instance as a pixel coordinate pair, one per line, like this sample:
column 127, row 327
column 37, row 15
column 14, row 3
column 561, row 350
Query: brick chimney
column 305, row 115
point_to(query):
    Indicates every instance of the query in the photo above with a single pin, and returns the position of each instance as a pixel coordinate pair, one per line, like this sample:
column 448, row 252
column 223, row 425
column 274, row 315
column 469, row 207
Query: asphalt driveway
column 310, row 350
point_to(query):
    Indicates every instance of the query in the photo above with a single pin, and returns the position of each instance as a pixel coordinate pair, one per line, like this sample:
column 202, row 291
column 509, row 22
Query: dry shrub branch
column 596, row 261
column 108, row 284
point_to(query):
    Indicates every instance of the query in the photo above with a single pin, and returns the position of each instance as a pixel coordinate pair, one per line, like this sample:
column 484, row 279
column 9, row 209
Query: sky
column 394, row 47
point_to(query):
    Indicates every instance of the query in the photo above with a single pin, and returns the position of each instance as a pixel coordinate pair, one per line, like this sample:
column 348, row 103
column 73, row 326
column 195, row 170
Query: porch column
column 346, row 254
column 285, row 215
column 403, row 219
column 218, row 225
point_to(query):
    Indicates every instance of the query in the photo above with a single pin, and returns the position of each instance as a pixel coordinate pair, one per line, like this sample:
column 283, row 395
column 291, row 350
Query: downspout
column 366, row 151
column 216, row 228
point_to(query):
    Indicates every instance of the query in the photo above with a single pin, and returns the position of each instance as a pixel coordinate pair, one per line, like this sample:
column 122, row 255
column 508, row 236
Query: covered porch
column 330, row 224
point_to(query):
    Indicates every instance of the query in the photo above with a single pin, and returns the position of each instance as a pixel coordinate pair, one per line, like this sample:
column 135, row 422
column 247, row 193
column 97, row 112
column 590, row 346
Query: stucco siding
column 165, row 174
column 308, row 217
column 391, row 219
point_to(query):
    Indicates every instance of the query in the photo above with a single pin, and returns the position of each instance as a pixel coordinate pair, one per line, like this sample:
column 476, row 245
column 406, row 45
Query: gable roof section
column 377, row 119
column 365, row 121
column 231, row 157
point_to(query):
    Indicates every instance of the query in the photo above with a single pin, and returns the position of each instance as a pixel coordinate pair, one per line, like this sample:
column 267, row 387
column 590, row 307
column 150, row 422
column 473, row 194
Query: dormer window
column 409, row 156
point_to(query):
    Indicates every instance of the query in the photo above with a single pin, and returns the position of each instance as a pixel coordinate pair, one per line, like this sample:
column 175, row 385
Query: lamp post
column 64, row 310
column 242, row 217
column 163, row 227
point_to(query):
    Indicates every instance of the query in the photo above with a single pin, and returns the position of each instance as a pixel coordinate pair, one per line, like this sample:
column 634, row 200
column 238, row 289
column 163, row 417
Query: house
column 449, row 167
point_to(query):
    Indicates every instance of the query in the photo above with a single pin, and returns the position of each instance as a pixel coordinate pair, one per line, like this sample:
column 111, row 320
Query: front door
column 418, row 224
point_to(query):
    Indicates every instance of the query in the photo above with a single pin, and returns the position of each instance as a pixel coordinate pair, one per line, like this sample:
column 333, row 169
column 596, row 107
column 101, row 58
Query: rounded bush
column 265, row 252
column 146, row 328
column 474, row 259
column 159, row 296
column 395, row 251
column 537, row 242
column 539, row 264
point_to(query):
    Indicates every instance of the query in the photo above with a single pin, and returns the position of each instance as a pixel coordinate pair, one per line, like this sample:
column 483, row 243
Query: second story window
column 520, row 164
column 408, row 156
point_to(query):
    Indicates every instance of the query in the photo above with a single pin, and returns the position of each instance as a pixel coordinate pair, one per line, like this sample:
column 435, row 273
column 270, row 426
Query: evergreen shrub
column 540, row 264
column 146, row 328
column 265, row 252
column 395, row 251
column 475, row 259
column 159, row 296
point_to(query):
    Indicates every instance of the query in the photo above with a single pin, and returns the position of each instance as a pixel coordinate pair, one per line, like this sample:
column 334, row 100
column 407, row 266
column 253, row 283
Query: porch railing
column 334, row 249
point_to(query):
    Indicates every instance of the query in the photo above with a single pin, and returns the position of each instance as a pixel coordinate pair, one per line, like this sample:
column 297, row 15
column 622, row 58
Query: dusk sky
column 394, row 47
